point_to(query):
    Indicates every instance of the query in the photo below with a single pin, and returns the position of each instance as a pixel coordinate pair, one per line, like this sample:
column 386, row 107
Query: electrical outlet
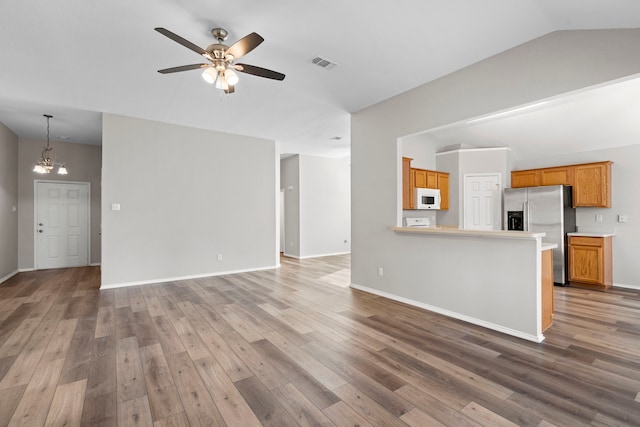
column 219, row 257
column 598, row 217
column 380, row 271
column 623, row 218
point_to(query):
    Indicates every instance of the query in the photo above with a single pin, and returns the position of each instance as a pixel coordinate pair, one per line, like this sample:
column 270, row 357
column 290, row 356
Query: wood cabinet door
column 586, row 264
column 419, row 178
column 528, row 178
column 407, row 189
column 432, row 179
column 443, row 186
column 556, row 176
column 592, row 185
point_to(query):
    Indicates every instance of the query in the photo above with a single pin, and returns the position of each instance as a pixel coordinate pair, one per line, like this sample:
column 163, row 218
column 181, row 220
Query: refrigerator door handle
column 526, row 216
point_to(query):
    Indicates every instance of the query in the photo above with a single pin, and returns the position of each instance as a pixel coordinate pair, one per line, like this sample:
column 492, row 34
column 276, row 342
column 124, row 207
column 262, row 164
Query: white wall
column 557, row 63
column 186, row 195
column 8, row 203
column 290, row 182
column 317, row 205
column 624, row 200
column 83, row 163
column 325, row 206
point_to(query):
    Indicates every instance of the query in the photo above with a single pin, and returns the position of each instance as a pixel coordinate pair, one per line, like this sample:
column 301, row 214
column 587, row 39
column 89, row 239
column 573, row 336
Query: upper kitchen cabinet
column 556, row 176
column 407, row 187
column 413, row 178
column 592, row 185
column 528, row 178
column 443, row 186
column 591, row 181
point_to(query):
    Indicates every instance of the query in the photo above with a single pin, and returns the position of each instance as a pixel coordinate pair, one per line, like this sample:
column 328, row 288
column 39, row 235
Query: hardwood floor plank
column 18, row 339
column 367, row 408
column 9, row 400
column 162, row 392
column 264, row 404
column 177, row 420
column 313, row 390
column 61, row 339
column 135, row 412
column 102, row 368
column 232, row 406
column 417, row 418
column 259, row 365
column 341, row 414
column 169, row 339
column 106, row 323
column 196, row 400
column 33, row 407
column 299, row 407
column 130, row 376
column 100, row 411
column 485, row 417
column 77, row 361
column 66, row 407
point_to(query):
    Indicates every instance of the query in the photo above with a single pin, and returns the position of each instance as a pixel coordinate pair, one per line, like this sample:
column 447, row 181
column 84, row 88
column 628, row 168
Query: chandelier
column 45, row 164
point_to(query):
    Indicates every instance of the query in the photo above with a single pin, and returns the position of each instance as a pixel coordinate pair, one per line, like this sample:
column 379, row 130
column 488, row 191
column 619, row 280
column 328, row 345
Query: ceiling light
column 45, row 164
column 221, row 83
column 209, row 75
column 231, row 77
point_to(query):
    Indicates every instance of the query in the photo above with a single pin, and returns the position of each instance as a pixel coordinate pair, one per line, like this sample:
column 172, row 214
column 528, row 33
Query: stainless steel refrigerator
column 547, row 209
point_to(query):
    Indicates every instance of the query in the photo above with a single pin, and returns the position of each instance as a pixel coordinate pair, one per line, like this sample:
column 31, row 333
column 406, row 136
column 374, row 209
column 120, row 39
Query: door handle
column 40, row 231
column 40, row 224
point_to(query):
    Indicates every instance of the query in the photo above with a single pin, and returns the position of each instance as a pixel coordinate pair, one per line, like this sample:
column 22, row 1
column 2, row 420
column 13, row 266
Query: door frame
column 464, row 195
column 35, row 215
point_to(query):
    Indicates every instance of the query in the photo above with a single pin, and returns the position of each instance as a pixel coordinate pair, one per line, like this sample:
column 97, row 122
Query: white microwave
column 427, row 198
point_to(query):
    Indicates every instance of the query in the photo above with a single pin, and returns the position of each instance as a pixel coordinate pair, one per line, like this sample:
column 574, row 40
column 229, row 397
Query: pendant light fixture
column 45, row 164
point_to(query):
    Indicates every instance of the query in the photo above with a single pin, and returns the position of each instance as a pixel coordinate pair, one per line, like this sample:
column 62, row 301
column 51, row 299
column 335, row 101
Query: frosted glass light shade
column 209, row 75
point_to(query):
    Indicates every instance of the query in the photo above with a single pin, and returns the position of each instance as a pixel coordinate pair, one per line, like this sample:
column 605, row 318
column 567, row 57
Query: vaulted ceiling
column 76, row 59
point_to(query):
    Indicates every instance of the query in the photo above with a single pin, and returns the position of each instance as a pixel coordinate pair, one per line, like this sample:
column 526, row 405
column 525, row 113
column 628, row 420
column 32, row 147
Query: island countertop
column 457, row 231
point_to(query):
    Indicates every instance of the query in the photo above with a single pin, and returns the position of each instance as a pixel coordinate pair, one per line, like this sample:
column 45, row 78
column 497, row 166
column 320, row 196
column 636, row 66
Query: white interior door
column 62, row 225
column 482, row 202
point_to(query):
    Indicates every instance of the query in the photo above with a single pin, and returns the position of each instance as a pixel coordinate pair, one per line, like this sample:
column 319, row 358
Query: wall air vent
column 323, row 63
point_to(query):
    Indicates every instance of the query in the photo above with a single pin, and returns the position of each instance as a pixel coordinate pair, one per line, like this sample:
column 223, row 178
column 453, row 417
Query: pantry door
column 482, row 202
column 62, row 224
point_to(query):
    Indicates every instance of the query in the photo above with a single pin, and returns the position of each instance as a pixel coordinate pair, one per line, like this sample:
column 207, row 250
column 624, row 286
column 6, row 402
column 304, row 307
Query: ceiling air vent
column 323, row 63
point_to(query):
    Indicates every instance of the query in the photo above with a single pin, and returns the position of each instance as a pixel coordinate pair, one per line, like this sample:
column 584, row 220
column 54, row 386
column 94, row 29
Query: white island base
column 488, row 278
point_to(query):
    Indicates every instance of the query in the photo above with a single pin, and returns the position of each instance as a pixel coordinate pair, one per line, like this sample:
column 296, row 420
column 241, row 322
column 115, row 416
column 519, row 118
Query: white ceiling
column 76, row 59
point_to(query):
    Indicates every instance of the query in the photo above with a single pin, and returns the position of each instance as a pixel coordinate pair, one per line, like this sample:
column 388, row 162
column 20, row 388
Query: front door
column 482, row 202
column 62, row 224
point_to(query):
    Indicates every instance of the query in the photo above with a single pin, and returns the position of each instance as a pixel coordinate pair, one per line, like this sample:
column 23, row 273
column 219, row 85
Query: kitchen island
column 491, row 278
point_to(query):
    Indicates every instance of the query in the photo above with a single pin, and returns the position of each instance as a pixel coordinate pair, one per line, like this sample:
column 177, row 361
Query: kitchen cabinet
column 413, row 178
column 526, row 178
column 592, row 185
column 590, row 262
column 591, row 181
column 547, row 288
column 443, row 186
column 419, row 178
column 407, row 196
column 556, row 176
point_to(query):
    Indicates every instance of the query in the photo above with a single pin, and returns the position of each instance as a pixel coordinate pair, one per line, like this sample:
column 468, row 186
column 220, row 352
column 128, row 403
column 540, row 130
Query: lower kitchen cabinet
column 547, row 288
column 590, row 262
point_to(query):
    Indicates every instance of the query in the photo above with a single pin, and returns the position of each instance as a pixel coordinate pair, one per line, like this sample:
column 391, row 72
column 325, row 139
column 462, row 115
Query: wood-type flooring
column 295, row 346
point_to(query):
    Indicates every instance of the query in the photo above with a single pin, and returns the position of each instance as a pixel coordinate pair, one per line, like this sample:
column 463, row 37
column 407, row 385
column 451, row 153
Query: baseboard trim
column 178, row 278
column 9, row 276
column 95, row 264
column 24, row 270
column 452, row 314
column 315, row 256
column 622, row 285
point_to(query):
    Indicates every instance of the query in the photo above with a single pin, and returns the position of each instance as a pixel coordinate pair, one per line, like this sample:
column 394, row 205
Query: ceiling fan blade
column 259, row 71
column 183, row 68
column 245, row 45
column 184, row 42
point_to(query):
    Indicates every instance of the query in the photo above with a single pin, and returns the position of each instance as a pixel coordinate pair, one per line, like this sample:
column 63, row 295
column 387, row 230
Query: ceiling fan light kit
column 222, row 68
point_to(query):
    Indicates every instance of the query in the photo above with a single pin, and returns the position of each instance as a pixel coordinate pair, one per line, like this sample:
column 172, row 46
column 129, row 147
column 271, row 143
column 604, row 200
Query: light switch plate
column 115, row 206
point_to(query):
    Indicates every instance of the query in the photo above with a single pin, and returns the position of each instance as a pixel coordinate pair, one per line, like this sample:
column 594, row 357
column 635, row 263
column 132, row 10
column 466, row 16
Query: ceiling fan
column 221, row 65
